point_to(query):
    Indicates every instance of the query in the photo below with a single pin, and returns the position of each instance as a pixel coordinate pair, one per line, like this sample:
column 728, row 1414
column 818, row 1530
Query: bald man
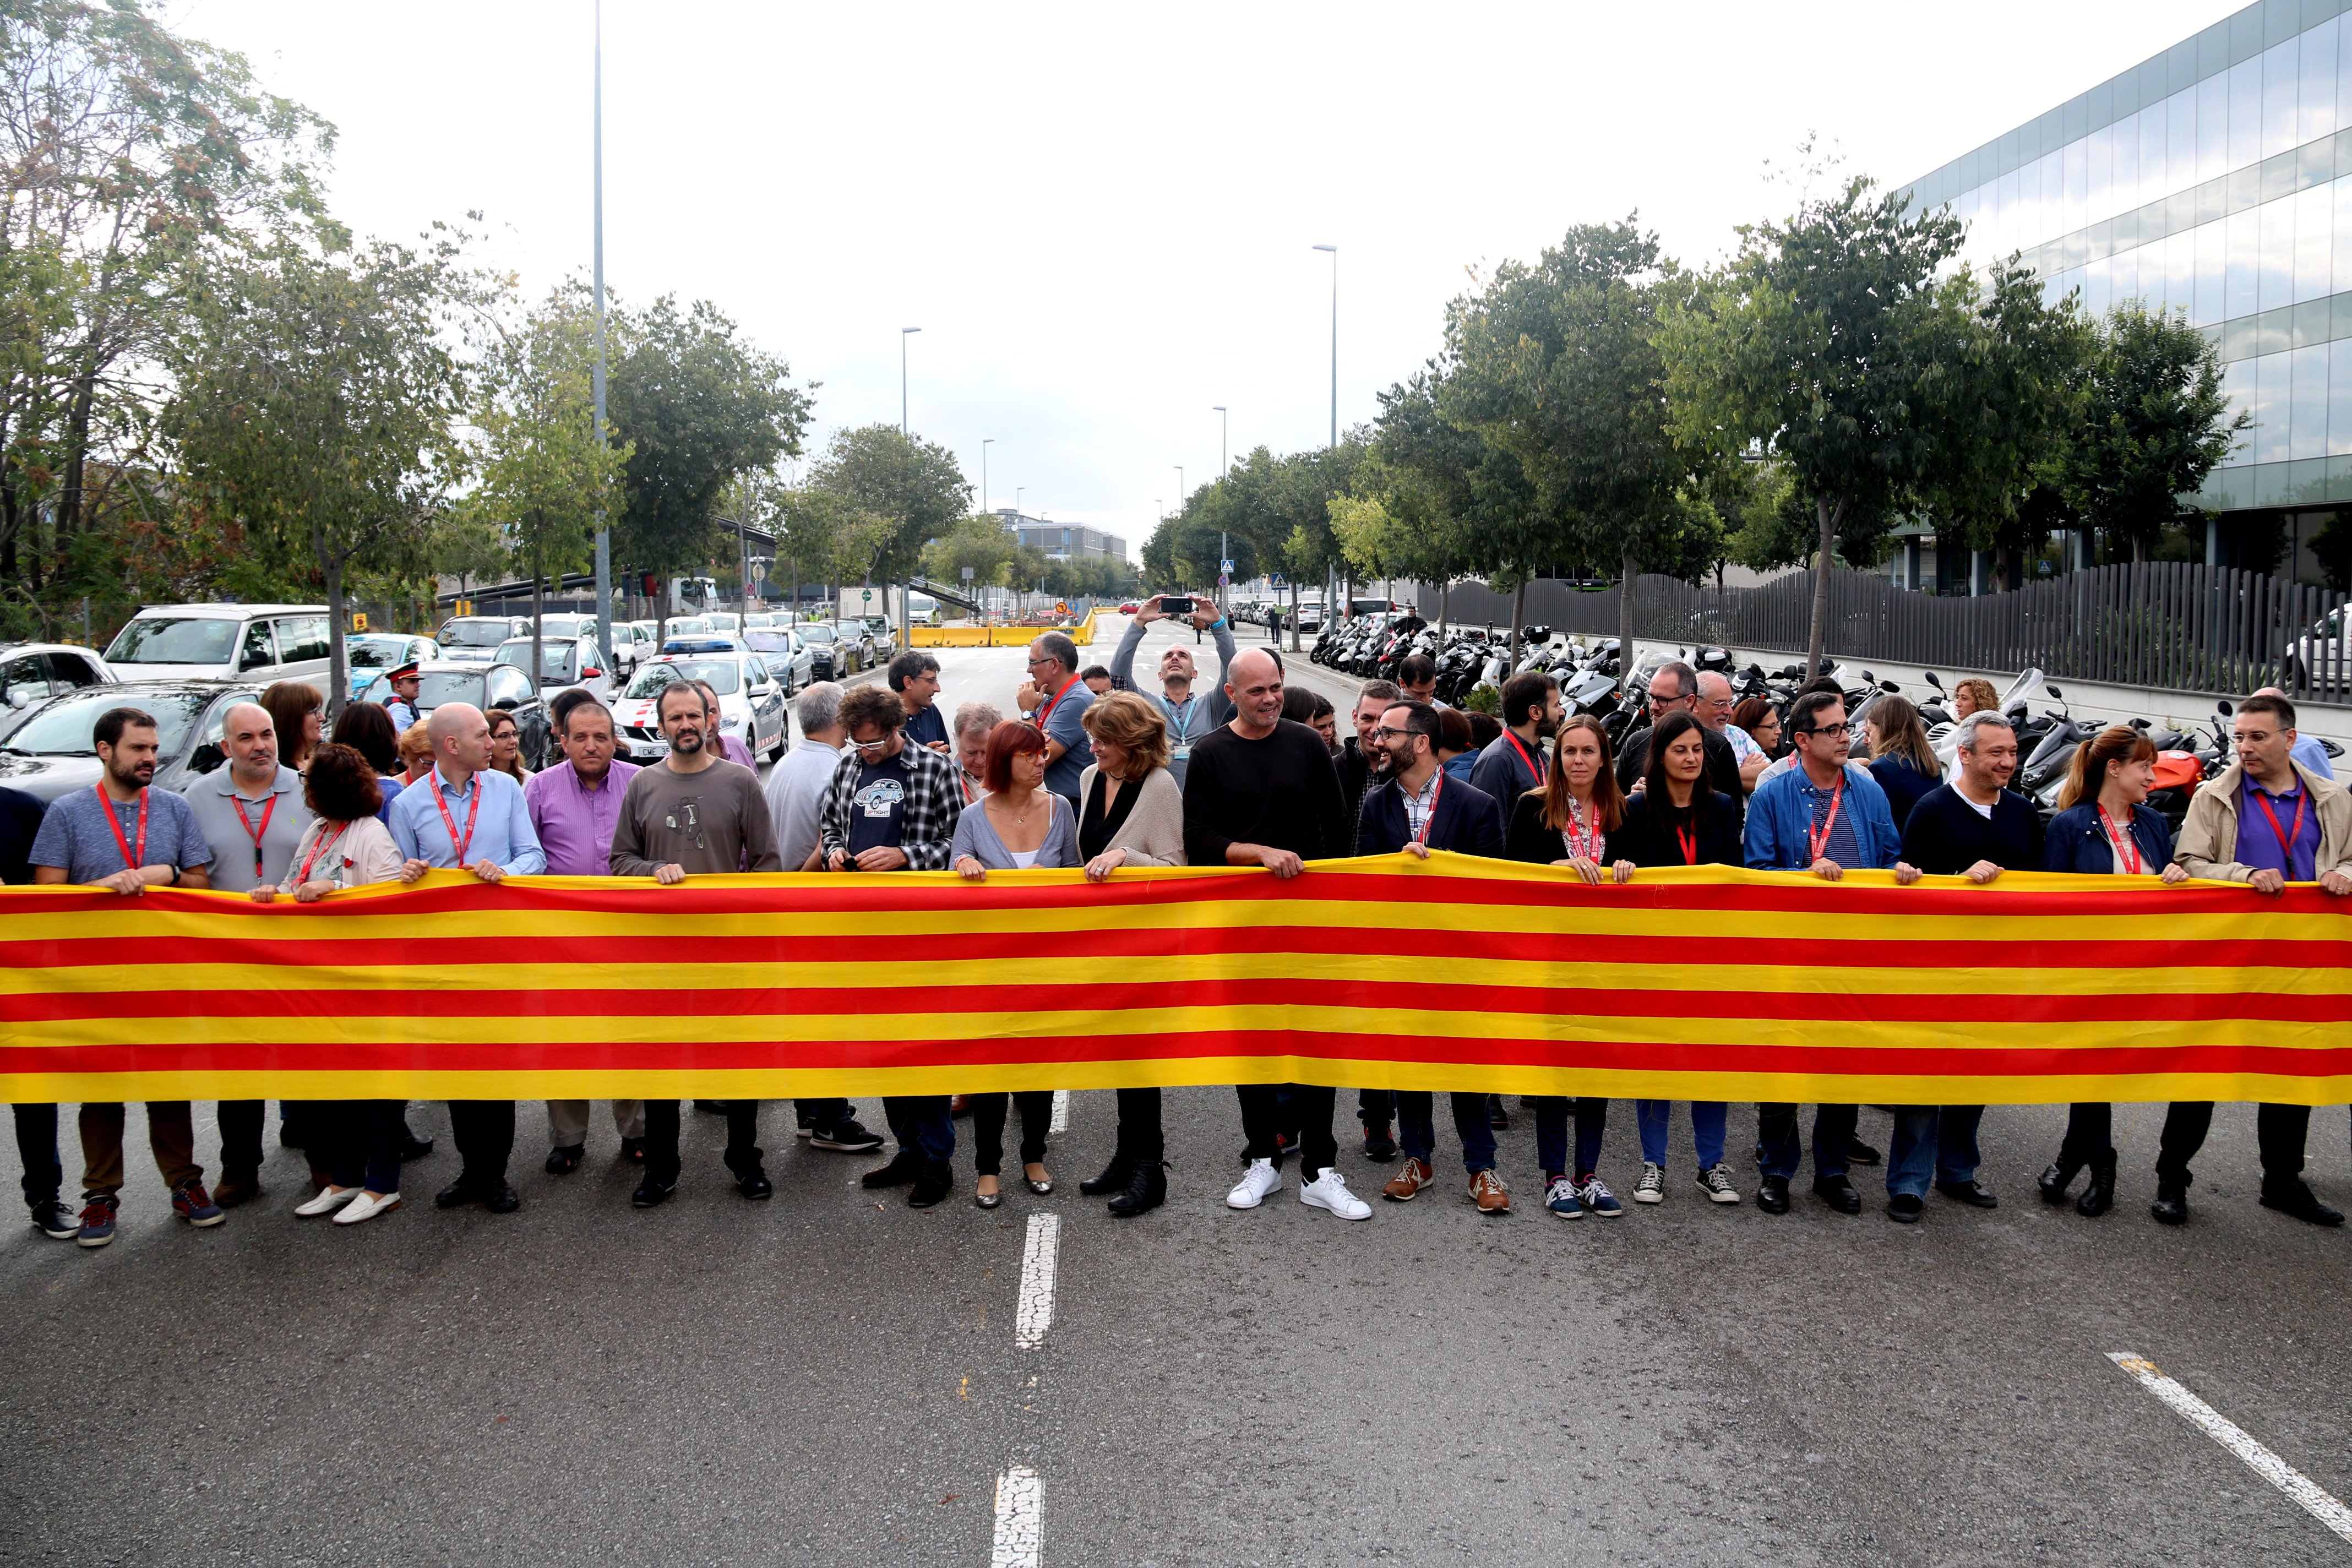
column 2307, row 749
column 463, row 816
column 252, row 816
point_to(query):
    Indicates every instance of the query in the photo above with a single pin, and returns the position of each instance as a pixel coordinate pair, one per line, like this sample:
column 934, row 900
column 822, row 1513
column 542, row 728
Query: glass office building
column 2213, row 179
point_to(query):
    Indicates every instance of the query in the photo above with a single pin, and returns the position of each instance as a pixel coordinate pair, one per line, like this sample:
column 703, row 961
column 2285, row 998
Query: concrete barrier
column 1082, row 633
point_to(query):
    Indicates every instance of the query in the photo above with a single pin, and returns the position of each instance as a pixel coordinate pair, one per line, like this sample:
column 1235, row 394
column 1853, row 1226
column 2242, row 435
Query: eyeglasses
column 1036, row 662
column 874, row 745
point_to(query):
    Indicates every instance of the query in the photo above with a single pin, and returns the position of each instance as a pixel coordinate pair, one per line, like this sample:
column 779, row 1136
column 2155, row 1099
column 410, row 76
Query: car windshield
column 375, row 653
column 476, row 634
column 62, row 729
column 558, row 660
column 435, row 687
column 688, row 626
column 758, row 641
column 161, row 640
column 564, row 627
column 817, row 634
column 724, row 676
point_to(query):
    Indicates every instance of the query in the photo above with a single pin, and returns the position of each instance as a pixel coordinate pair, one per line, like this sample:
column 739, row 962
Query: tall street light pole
column 1335, row 340
column 604, row 535
column 1225, row 429
column 984, row 446
column 906, row 333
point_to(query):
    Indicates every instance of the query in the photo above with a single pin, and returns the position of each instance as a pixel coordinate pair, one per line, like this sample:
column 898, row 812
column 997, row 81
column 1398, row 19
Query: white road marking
column 1039, row 1260
column 1018, row 1494
column 2321, row 1506
column 1061, row 1123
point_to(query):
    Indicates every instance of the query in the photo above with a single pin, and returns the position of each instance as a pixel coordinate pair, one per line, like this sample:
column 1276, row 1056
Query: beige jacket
column 2209, row 838
column 1153, row 833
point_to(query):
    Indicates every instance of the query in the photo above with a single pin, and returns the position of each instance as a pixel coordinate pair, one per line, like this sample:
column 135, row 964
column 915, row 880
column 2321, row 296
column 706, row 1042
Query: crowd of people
column 1112, row 775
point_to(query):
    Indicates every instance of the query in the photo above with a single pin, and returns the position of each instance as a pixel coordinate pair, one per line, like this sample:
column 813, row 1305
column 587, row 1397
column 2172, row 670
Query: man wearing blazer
column 1416, row 808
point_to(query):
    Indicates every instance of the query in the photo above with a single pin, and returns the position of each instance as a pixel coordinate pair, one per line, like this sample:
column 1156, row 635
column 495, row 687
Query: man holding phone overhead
column 1190, row 711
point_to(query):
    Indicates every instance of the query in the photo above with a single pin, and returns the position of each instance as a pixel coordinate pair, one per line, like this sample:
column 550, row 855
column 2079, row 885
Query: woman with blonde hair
column 1901, row 760
column 1131, row 814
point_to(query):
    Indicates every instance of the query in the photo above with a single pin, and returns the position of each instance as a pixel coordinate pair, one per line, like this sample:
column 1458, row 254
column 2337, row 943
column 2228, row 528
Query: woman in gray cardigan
column 1131, row 814
column 1017, row 824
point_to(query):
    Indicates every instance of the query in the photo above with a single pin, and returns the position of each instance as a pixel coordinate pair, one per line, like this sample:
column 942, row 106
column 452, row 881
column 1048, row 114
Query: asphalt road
column 827, row 1379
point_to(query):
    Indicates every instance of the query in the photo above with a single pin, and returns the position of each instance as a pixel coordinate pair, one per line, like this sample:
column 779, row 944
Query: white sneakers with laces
column 1329, row 1191
column 1260, row 1179
column 1716, row 1182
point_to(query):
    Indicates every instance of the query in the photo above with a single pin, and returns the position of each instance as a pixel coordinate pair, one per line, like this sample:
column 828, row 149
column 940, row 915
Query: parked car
column 485, row 686
column 750, row 701
column 370, row 654
column 564, row 662
column 759, row 621
column 835, row 658
column 50, row 752
column 724, row 621
column 1130, row 608
column 686, row 626
column 786, row 655
column 33, row 672
column 475, row 640
column 883, row 635
column 221, row 642
column 2322, row 654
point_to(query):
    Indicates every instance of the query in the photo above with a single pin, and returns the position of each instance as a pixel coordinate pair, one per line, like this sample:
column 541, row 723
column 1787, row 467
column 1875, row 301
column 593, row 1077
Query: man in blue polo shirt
column 465, row 815
column 1054, row 698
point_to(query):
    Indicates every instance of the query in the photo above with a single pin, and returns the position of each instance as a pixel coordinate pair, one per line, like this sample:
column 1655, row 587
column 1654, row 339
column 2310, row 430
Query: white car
column 367, row 654
column 750, row 701
column 564, row 662
column 724, row 621
column 475, row 640
column 260, row 643
column 33, row 672
column 787, row 656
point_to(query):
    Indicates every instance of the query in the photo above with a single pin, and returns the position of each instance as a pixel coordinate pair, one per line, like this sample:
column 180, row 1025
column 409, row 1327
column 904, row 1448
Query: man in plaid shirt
column 893, row 808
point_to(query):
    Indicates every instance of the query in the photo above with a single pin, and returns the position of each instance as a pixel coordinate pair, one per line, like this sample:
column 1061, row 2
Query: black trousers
column 1139, row 1136
column 1309, row 1109
column 2090, row 1131
column 1036, row 1106
column 1375, row 1107
column 1834, row 1125
column 2279, row 1131
column 662, row 1162
column 240, row 1130
column 36, row 1146
column 483, row 1130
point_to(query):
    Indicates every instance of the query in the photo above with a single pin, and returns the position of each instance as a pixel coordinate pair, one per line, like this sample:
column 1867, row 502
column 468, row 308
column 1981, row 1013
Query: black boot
column 2060, row 1175
column 2100, row 1195
column 1114, row 1177
column 905, row 1166
column 1147, row 1189
column 2171, row 1204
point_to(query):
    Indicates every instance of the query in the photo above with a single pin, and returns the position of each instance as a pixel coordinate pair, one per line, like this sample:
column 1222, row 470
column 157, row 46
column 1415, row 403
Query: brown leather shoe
column 235, row 1190
column 1414, row 1175
column 1488, row 1192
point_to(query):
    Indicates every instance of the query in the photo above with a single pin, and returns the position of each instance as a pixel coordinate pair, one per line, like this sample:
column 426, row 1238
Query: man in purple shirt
column 2265, row 821
column 575, row 807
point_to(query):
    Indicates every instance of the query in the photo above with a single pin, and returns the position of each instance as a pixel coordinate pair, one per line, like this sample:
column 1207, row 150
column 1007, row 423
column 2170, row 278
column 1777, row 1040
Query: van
column 259, row 643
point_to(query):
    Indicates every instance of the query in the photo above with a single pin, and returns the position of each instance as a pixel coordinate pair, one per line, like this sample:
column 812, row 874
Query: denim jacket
column 1778, row 818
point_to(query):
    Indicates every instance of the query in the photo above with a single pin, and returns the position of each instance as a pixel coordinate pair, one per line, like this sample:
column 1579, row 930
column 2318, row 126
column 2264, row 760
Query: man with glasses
column 893, row 808
column 1716, row 704
column 914, row 675
column 1055, row 699
column 1820, row 817
column 691, row 816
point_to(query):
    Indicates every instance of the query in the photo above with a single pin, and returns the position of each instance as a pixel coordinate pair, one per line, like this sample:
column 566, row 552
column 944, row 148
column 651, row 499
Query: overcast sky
column 1102, row 216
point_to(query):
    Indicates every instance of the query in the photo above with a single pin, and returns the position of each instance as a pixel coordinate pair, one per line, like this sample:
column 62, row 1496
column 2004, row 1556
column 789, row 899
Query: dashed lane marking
column 2318, row 1503
column 1019, row 1494
column 1061, row 1123
column 1039, row 1260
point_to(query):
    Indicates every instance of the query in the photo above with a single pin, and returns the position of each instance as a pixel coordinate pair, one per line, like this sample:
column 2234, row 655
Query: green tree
column 917, row 488
column 1827, row 342
column 2154, row 423
column 545, row 474
column 981, row 542
column 316, row 401
column 466, row 544
column 696, row 405
column 824, row 536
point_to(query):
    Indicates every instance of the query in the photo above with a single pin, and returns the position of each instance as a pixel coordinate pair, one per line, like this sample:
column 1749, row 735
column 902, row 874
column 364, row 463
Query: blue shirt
column 927, row 727
column 502, row 831
column 2314, row 758
column 1061, row 723
column 2258, row 841
column 1785, row 805
column 74, row 835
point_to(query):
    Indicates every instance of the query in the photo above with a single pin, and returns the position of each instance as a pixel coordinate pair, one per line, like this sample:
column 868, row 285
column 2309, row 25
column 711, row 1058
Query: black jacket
column 1945, row 836
column 1530, row 840
column 1647, row 840
column 1722, row 765
column 1467, row 821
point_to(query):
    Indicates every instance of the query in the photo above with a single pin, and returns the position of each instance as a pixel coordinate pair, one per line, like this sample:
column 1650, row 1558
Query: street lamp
column 1335, row 340
column 906, row 333
column 983, row 471
column 1224, row 427
column 604, row 535
column 1016, row 499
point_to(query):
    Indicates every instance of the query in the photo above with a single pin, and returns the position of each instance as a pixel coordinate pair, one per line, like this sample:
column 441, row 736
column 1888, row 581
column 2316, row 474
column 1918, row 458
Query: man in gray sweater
column 691, row 816
column 1193, row 710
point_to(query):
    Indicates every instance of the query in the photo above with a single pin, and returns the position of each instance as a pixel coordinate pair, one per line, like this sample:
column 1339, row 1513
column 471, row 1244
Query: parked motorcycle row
column 1592, row 681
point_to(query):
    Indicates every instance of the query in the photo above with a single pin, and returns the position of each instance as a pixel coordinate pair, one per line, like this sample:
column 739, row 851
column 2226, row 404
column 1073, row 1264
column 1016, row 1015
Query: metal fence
column 2172, row 626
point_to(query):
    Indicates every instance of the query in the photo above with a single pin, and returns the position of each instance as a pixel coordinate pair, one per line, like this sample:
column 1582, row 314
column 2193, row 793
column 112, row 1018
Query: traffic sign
column 1224, row 566
column 1277, row 579
column 869, row 595
column 359, row 620
column 1224, row 581
column 967, row 573
column 1061, row 606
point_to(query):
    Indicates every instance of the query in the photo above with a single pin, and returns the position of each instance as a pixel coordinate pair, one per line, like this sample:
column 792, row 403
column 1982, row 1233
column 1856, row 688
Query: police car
column 750, row 697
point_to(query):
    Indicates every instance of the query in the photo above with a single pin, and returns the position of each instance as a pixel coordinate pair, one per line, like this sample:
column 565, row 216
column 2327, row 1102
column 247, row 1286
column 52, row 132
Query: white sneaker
column 1329, row 1191
column 1715, row 1180
column 1652, row 1188
column 327, row 1201
column 1260, row 1179
column 366, row 1207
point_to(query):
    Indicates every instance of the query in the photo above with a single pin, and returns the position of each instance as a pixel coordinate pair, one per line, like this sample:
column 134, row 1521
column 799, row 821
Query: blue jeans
column 1956, row 1157
column 1552, row 1132
column 1707, row 1116
column 1776, row 1130
column 920, row 1124
column 1911, row 1152
column 1417, row 1130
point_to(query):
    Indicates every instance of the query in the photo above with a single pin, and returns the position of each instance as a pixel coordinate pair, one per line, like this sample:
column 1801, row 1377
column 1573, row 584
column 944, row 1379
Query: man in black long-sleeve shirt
column 1973, row 827
column 1262, row 791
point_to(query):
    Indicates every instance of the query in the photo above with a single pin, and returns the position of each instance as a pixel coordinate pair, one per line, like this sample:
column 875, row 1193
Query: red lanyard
column 132, row 860
column 326, row 842
column 2127, row 851
column 2286, row 840
column 473, row 811
column 1579, row 844
column 255, row 834
column 1534, row 772
column 1052, row 702
column 963, row 782
column 1688, row 839
column 1436, row 788
column 1819, row 841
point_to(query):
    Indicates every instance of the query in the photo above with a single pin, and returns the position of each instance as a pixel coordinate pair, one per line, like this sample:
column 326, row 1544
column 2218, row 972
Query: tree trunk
column 336, row 667
column 1625, row 618
column 538, row 611
column 1831, row 513
column 1443, row 587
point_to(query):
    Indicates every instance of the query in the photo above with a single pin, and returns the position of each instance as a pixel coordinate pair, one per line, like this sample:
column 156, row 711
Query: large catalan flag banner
column 1709, row 983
